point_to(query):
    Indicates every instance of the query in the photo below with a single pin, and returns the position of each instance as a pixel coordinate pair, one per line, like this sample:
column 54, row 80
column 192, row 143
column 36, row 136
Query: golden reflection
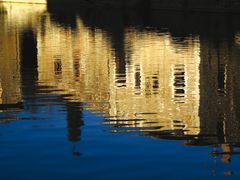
column 12, row 25
column 161, row 82
column 75, row 61
column 156, row 83
column 9, row 59
column 162, row 85
column 25, row 1
column 10, row 92
column 22, row 15
column 151, row 82
column 157, row 90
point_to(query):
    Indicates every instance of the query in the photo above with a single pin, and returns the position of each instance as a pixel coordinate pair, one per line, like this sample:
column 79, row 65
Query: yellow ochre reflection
column 151, row 84
column 75, row 61
column 15, row 19
column 10, row 92
column 157, row 89
column 22, row 15
column 162, row 84
column 25, row 1
column 140, row 80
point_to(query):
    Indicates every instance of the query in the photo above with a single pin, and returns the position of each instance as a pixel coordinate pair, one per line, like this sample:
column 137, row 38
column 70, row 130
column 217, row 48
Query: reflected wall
column 143, row 75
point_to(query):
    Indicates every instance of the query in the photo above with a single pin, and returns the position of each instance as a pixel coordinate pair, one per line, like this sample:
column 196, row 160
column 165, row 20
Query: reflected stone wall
column 12, row 26
column 10, row 92
column 161, row 86
column 154, row 84
column 141, row 79
column 75, row 61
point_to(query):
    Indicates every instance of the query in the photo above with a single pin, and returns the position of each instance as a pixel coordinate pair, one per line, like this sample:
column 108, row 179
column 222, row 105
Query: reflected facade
column 143, row 80
column 161, row 91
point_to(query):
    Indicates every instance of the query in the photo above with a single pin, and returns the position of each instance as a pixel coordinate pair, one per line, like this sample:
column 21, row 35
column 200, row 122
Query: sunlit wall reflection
column 161, row 90
column 12, row 27
column 153, row 82
column 159, row 87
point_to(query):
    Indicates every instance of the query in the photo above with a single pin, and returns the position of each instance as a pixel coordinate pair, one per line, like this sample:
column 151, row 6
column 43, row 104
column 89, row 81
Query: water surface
column 88, row 93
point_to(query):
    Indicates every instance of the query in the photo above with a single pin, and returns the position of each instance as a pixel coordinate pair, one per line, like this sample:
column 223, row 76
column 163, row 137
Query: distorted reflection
column 155, row 71
column 140, row 80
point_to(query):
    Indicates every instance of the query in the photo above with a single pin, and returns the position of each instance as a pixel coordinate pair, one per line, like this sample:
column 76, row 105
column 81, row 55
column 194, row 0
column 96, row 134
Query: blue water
column 39, row 149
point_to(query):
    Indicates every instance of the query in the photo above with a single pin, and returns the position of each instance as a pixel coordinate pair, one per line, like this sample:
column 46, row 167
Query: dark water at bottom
column 101, row 93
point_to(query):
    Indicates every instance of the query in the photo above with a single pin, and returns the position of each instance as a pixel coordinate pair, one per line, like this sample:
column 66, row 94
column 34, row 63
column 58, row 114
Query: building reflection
column 157, row 82
column 155, row 97
column 149, row 83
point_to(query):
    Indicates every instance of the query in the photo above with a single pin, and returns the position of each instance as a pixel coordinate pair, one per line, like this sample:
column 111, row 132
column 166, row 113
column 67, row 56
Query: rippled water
column 118, row 93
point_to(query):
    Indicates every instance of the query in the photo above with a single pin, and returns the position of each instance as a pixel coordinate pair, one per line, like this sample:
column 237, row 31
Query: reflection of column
column 74, row 121
column 118, row 46
column 29, row 62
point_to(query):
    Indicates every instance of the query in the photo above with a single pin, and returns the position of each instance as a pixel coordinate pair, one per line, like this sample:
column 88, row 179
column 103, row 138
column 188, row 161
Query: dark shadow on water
column 180, row 24
column 74, row 123
column 74, row 120
column 29, row 60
